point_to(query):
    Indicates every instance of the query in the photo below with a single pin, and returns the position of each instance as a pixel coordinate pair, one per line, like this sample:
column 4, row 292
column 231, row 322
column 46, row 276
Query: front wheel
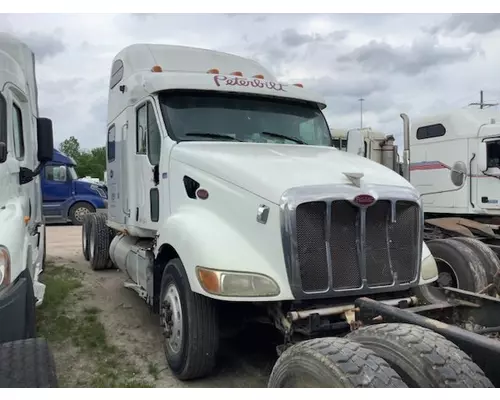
column 190, row 325
column 78, row 211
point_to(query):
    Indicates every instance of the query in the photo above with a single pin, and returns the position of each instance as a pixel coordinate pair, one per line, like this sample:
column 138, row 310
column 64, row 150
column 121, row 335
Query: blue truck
column 67, row 198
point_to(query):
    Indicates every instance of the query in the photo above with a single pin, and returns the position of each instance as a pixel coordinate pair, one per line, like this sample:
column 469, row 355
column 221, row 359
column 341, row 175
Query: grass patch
column 62, row 320
column 154, row 371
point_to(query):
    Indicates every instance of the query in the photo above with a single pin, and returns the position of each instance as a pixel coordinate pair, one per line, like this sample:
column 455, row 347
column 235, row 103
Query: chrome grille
column 343, row 245
column 311, row 246
column 337, row 246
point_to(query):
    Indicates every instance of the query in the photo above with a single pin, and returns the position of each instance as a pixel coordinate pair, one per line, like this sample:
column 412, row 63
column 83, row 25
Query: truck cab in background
column 65, row 196
column 368, row 143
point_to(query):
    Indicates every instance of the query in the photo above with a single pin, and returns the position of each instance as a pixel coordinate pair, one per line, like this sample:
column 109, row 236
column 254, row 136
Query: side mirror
column 45, row 138
column 458, row 173
column 355, row 142
column 3, row 152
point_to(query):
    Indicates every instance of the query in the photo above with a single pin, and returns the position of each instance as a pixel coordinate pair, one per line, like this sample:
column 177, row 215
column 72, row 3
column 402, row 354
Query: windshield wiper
column 209, row 134
column 279, row 135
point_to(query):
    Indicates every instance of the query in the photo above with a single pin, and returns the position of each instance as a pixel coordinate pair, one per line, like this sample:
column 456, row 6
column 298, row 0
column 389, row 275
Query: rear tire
column 78, row 211
column 423, row 358
column 86, row 236
column 99, row 243
column 190, row 325
column 458, row 266
column 332, row 363
column 488, row 257
column 27, row 364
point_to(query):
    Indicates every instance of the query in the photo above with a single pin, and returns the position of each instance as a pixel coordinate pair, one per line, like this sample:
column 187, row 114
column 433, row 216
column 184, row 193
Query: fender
column 428, row 270
column 201, row 238
column 14, row 236
column 96, row 201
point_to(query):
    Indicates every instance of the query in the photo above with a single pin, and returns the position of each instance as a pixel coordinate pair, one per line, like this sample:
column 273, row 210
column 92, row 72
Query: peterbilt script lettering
column 259, row 83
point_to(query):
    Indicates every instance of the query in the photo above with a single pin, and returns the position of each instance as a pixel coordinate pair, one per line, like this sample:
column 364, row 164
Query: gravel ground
column 130, row 329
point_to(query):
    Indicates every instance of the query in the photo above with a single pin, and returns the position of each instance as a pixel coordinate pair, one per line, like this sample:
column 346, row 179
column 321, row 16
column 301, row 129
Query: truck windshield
column 228, row 116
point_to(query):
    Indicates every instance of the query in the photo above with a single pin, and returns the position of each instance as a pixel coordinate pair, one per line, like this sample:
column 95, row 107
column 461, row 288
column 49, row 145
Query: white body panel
column 17, row 202
column 281, row 167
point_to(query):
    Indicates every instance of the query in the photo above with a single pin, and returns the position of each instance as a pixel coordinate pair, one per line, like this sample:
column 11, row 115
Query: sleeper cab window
column 430, row 131
column 116, row 73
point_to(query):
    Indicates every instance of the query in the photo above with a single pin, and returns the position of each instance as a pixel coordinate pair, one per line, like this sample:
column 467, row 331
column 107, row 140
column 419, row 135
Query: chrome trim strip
column 293, row 197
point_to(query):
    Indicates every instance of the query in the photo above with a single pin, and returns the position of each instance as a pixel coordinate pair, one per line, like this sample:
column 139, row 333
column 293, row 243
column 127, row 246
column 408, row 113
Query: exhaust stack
column 406, row 150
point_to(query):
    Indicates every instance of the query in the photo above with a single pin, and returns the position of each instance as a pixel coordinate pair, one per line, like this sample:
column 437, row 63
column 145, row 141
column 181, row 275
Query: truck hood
column 268, row 170
column 84, row 187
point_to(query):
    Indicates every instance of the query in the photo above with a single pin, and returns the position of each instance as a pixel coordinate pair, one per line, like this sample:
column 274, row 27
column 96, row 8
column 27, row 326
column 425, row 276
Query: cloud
column 291, row 37
column 363, row 87
column 43, row 45
column 413, row 59
column 470, row 23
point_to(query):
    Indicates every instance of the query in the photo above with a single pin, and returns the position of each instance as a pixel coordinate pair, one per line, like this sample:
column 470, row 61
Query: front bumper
column 17, row 311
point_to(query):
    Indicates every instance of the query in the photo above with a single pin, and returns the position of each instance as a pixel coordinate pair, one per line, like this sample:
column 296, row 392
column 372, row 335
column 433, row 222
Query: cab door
column 148, row 151
column 20, row 148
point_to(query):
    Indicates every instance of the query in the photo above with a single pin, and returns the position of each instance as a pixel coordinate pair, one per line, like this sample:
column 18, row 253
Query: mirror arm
column 38, row 169
column 26, row 175
column 470, row 180
column 447, row 191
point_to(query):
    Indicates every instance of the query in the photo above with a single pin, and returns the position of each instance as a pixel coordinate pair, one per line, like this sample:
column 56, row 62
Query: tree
column 88, row 162
column 70, row 147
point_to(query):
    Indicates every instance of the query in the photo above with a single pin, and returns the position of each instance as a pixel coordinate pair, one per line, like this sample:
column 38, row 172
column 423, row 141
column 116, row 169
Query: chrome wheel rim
column 80, row 213
column 172, row 319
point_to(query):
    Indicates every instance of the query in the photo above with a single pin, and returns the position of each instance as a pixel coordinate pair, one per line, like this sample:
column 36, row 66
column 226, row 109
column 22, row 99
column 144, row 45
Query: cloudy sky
column 414, row 63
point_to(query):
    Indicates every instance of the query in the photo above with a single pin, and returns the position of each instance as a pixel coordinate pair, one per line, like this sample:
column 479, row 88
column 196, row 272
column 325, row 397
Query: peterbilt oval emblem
column 364, row 200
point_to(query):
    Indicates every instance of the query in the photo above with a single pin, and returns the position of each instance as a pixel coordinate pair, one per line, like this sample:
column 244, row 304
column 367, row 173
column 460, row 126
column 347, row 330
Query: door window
column 493, row 154
column 17, row 124
column 148, row 137
column 55, row 173
column 111, row 143
column 3, row 119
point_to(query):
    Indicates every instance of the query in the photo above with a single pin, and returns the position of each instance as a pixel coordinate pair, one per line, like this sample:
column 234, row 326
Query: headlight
column 236, row 284
column 99, row 190
column 4, row 267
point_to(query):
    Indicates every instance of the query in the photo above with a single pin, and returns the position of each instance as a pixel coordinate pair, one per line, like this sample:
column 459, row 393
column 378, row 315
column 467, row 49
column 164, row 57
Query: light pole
column 361, row 111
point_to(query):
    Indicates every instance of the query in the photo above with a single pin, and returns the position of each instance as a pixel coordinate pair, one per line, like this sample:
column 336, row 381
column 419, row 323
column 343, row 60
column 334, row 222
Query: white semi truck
column 461, row 215
column 228, row 204
column 25, row 145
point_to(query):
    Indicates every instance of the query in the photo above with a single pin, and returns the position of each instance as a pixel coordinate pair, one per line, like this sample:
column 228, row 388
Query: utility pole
column 481, row 103
column 361, row 111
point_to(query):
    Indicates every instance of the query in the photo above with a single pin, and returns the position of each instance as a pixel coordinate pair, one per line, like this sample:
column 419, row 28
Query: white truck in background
column 26, row 143
column 453, row 159
column 228, row 204
column 368, row 143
